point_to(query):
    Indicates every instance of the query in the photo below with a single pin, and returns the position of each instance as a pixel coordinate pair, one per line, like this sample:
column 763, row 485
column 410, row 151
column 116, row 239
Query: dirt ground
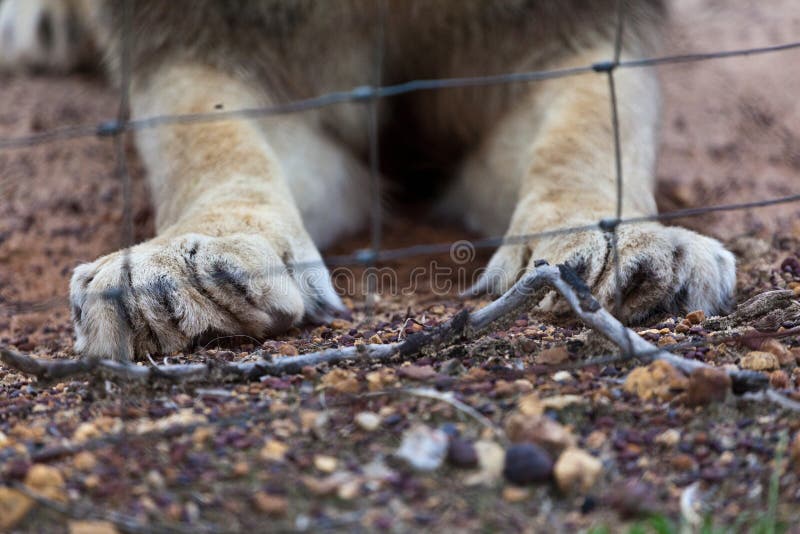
column 298, row 452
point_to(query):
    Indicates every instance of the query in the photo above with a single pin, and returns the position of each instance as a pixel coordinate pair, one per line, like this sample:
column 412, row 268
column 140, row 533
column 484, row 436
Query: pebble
column 576, row 470
column 273, row 450
column 462, row 453
column 530, row 405
column 84, row 461
column 368, row 421
column 559, row 402
column 325, row 463
column 288, row 350
column 417, row 372
column 540, row 430
column 784, row 354
column 562, row 376
column 47, row 481
column 596, row 439
column 696, row 317
column 658, row 380
column 757, row 360
column 341, row 380
column 91, row 527
column 515, row 494
column 527, row 463
column 779, row 379
column 340, row 324
column 553, row 356
column 669, row 438
column 274, row 505
column 490, row 461
column 423, row 448
column 14, row 506
column 683, row 462
column 707, row 385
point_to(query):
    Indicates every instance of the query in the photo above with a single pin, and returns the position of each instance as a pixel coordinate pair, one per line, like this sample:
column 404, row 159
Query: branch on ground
column 524, row 295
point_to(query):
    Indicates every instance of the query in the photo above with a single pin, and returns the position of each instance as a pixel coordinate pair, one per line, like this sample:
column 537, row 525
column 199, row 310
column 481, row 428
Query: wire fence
column 369, row 96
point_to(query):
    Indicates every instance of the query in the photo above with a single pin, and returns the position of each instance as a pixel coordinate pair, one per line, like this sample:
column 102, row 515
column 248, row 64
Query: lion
column 244, row 204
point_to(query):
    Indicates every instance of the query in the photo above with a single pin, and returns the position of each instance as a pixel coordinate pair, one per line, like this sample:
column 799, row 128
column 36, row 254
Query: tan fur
column 241, row 206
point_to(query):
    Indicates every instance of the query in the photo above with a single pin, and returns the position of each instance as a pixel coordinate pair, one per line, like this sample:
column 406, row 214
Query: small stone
column 503, row 388
column 696, row 317
column 423, row 447
column 596, row 439
column 14, row 506
column 325, row 463
column 540, row 430
column 288, row 350
column 707, row 385
column 523, row 385
column 273, row 450
column 349, row 490
column 376, row 339
column 46, row 481
column 241, row 469
column 559, row 402
column 779, row 379
column 201, row 434
column 417, row 372
column 490, row 461
column 562, row 376
column 515, row 494
column 341, row 380
column 783, row 353
column 530, row 405
column 553, row 356
column 274, row 505
column 84, row 461
column 86, row 431
column 527, row 463
column 683, row 462
column 368, row 421
column 666, row 340
column 461, row 453
column 757, row 360
column 682, row 327
column 92, row 527
column 576, row 470
column 659, row 380
column 669, row 438
column 340, row 324
column 381, row 379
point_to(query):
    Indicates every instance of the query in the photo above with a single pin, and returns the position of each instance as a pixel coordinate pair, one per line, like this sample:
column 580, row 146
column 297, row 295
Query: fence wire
column 370, row 96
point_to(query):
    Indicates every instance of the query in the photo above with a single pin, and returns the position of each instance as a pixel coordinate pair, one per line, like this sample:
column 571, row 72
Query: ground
column 318, row 450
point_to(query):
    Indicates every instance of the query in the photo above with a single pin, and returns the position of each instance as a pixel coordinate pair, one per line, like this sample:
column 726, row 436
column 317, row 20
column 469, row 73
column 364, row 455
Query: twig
column 462, row 326
column 450, row 399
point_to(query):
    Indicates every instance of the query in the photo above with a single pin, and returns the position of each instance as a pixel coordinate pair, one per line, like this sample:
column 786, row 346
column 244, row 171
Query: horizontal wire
column 363, row 93
column 365, row 257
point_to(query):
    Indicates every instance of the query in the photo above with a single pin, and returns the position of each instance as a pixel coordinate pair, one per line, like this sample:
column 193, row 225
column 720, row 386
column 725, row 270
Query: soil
column 195, row 456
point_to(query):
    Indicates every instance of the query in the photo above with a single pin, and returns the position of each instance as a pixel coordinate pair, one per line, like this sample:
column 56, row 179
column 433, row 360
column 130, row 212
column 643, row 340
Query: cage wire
column 370, row 95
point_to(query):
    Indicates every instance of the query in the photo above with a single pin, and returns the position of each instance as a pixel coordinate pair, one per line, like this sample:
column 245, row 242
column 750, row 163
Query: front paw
column 661, row 269
column 172, row 292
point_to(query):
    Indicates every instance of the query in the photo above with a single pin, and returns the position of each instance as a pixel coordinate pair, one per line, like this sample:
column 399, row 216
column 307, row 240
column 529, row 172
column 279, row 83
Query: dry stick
column 523, row 295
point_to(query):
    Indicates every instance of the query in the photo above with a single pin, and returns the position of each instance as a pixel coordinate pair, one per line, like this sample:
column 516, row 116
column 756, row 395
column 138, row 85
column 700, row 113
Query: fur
column 242, row 206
